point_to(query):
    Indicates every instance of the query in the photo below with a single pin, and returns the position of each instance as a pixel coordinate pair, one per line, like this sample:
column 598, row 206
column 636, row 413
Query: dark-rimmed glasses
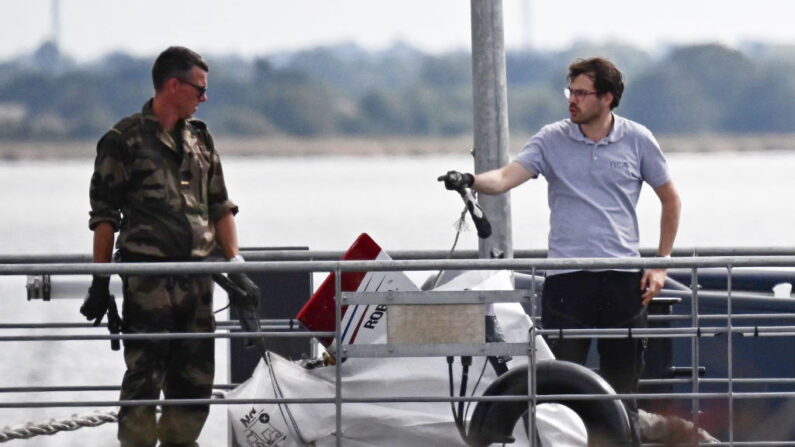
column 577, row 93
column 199, row 89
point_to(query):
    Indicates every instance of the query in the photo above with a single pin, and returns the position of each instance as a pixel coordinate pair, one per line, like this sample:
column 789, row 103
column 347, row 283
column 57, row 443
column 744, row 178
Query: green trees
column 693, row 89
column 344, row 90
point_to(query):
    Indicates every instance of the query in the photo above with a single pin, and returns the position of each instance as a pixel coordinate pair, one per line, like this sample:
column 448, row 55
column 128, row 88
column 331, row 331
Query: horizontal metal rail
column 230, row 386
column 723, row 380
column 266, row 324
column 159, row 268
column 758, row 297
column 164, row 336
column 258, row 254
column 492, row 349
column 392, row 350
column 752, row 395
column 735, row 443
column 58, row 389
column 446, row 297
column 745, row 316
column 719, row 317
column 277, row 325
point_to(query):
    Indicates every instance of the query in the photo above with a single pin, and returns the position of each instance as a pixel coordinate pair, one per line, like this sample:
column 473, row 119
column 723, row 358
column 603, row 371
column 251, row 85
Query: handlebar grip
column 476, row 212
column 227, row 284
column 249, row 321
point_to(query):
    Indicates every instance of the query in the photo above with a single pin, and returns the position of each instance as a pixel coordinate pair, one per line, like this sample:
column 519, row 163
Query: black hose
column 466, row 361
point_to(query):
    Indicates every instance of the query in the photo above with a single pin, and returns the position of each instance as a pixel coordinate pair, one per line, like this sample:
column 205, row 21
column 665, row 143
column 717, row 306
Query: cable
column 222, row 309
column 452, row 388
column 287, row 415
column 466, row 362
column 475, row 388
column 459, row 416
column 460, row 226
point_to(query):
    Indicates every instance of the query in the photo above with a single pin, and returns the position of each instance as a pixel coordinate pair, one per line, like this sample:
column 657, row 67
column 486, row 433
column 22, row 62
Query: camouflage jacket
column 163, row 201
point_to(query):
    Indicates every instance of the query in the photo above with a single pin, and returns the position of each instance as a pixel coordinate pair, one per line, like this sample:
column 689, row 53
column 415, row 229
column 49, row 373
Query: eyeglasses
column 577, row 93
column 199, row 89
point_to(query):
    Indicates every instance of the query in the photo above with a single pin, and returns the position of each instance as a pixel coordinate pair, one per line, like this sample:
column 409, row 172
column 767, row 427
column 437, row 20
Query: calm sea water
column 729, row 199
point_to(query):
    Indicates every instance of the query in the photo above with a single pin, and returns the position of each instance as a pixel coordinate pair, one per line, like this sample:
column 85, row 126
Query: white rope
column 52, row 427
column 97, row 418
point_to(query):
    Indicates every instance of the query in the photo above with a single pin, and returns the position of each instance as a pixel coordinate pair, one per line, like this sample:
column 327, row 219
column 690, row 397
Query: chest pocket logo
column 621, row 171
column 619, row 165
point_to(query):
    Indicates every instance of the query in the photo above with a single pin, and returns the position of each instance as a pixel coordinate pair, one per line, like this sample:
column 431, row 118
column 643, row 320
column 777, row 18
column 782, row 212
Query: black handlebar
column 462, row 183
column 476, row 212
column 249, row 320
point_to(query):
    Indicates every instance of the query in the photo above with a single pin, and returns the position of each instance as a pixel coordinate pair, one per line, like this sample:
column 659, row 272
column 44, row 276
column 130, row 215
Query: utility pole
column 55, row 15
column 490, row 108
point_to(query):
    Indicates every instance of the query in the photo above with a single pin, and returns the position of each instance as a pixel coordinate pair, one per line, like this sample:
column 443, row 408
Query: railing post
column 729, row 349
column 340, row 351
column 531, row 364
column 695, row 407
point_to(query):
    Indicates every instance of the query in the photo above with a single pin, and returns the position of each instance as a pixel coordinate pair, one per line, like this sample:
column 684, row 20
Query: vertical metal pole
column 55, row 16
column 695, row 348
column 340, row 351
column 531, row 365
column 490, row 112
column 730, row 348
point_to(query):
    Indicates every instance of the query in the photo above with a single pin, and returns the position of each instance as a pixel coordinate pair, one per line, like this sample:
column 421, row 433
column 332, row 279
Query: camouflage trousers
column 181, row 369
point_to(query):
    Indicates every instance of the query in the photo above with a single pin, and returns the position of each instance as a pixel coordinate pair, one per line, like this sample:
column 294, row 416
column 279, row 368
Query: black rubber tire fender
column 606, row 421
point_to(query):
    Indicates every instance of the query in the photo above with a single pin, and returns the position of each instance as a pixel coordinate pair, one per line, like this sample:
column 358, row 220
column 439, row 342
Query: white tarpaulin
column 387, row 424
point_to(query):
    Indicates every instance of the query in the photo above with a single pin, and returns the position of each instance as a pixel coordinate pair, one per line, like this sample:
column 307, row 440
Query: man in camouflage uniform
column 158, row 181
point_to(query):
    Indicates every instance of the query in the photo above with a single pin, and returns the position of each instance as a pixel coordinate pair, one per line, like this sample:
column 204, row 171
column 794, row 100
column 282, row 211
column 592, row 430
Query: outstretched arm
column 654, row 279
column 500, row 180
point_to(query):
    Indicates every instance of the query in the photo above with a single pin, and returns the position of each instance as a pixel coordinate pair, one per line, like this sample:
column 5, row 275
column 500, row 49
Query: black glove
column 250, row 295
column 115, row 324
column 456, row 181
column 95, row 305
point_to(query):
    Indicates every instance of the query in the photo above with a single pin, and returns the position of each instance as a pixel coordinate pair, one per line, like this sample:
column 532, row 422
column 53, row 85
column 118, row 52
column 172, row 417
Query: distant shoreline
column 282, row 146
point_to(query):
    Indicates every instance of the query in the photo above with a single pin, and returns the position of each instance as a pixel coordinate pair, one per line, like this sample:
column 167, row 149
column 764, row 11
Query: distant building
column 12, row 113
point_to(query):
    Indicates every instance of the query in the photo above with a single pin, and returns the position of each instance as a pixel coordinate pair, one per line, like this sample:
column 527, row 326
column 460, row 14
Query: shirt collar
column 616, row 133
column 147, row 114
column 148, row 118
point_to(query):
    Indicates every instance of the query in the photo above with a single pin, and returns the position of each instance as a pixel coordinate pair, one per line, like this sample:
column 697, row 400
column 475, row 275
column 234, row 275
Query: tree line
column 345, row 90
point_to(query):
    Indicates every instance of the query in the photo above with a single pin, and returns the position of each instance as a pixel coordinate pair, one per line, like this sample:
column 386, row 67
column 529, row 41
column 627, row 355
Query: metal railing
column 530, row 261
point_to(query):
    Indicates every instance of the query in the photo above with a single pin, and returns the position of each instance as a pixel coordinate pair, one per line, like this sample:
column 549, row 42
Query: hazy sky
column 90, row 28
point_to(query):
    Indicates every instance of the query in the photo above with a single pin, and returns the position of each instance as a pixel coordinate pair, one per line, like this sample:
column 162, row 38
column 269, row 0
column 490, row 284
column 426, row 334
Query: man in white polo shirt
column 595, row 164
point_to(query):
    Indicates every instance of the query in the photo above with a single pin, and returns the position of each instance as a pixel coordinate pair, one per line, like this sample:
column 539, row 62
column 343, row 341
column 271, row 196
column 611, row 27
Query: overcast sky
column 90, row 28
